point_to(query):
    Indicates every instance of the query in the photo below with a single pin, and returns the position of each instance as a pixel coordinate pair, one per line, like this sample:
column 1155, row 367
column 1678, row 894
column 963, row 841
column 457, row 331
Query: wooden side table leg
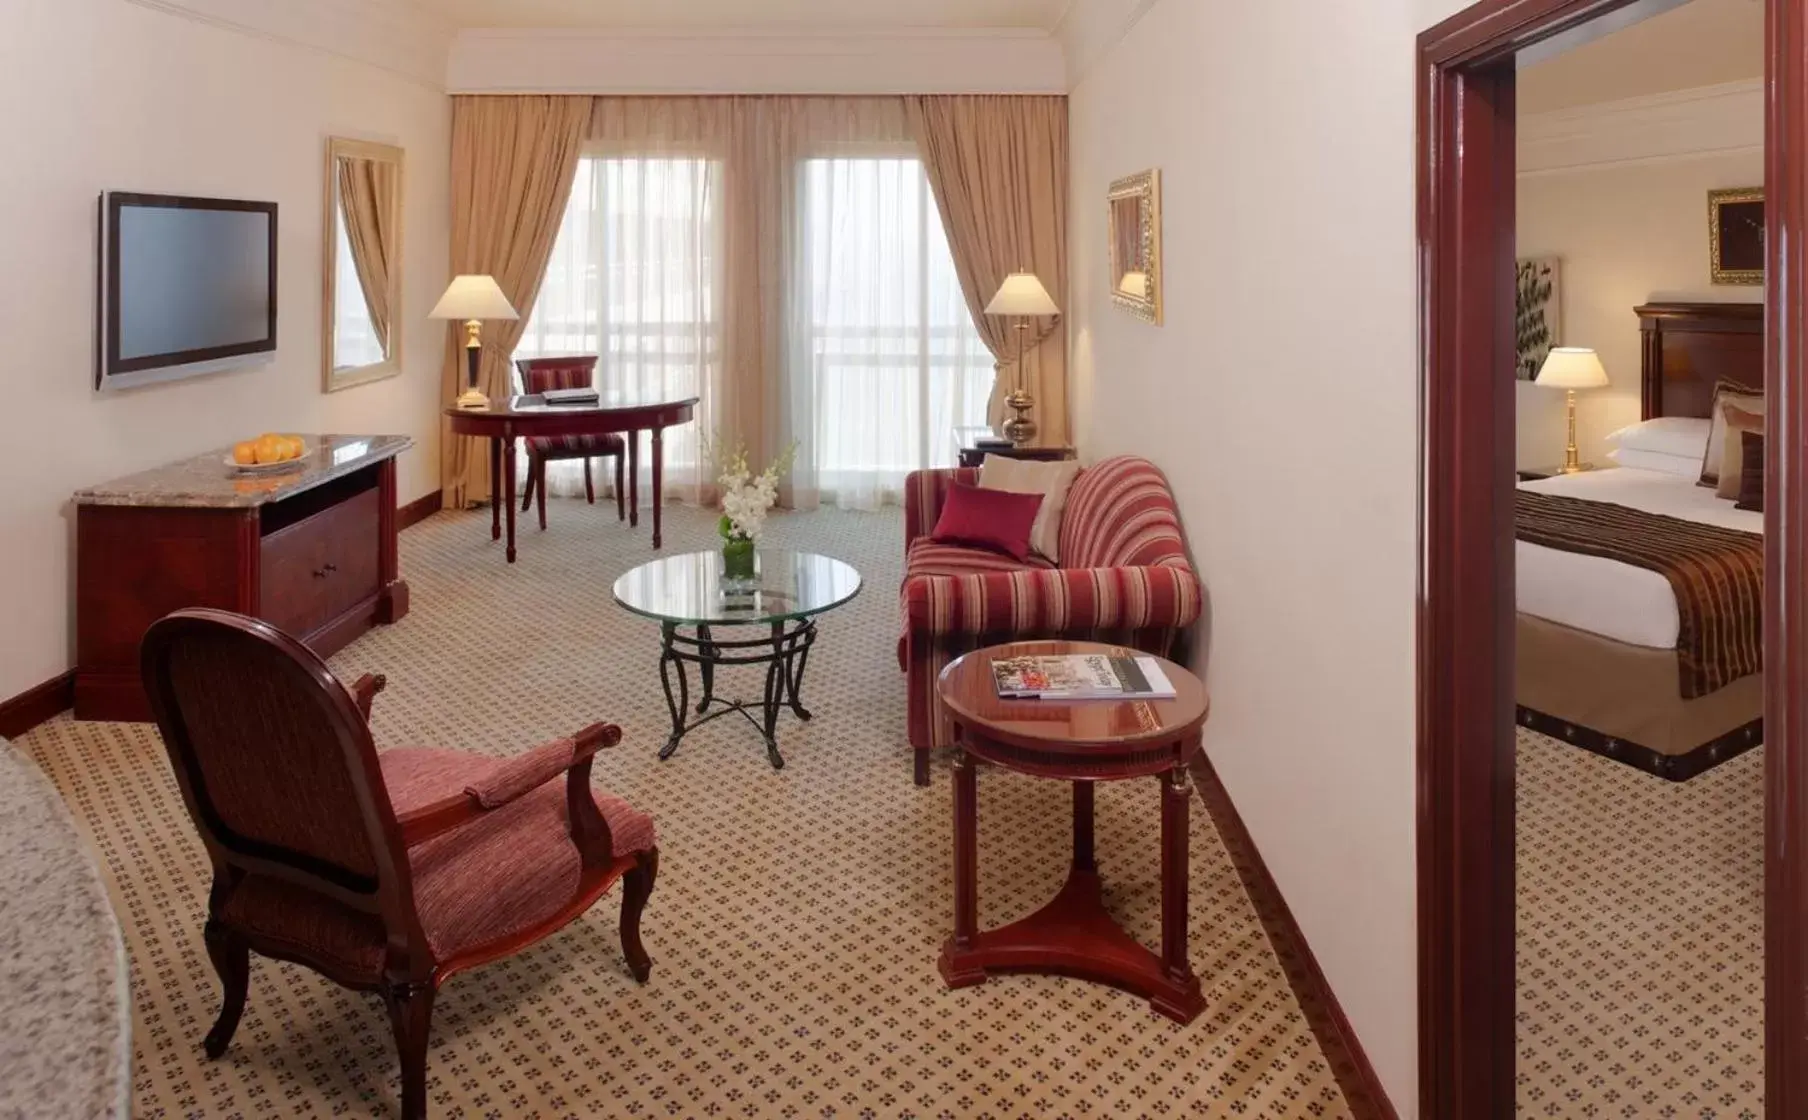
column 633, row 480
column 508, row 484
column 658, row 481
column 1082, row 827
column 956, row 973
column 1184, row 1001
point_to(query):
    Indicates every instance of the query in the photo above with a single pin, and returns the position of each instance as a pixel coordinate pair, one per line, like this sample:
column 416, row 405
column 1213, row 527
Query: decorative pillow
column 1740, row 396
column 1732, row 459
column 1683, row 466
column 1666, row 435
column 1024, row 476
column 1751, row 471
column 994, row 519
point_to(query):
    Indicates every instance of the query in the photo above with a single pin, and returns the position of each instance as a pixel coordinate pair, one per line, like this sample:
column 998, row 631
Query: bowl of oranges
column 267, row 454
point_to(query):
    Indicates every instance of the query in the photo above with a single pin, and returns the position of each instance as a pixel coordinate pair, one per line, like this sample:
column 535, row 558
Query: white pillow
column 1682, row 466
column 1051, row 480
column 1686, row 436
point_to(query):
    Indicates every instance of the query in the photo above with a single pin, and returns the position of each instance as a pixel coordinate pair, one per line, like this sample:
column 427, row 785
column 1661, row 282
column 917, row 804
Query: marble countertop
column 64, row 988
column 208, row 481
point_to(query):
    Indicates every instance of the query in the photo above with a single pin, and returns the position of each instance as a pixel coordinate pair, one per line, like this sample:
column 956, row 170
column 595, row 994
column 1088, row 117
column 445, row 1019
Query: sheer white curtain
column 635, row 278
column 884, row 361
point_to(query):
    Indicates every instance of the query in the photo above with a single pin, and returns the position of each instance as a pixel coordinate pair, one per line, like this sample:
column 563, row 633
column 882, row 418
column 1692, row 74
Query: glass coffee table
column 706, row 622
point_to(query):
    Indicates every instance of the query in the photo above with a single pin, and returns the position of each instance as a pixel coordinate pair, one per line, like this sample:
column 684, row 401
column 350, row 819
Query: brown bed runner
column 1717, row 574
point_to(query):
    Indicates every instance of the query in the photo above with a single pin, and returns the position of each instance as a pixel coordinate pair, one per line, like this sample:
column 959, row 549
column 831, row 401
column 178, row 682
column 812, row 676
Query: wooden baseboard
column 28, row 709
column 418, row 510
column 1355, row 1076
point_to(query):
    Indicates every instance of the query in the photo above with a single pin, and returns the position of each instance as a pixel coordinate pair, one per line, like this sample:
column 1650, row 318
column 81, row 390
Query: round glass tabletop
column 687, row 588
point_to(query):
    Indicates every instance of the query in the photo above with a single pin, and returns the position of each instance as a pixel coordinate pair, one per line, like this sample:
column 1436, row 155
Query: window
column 889, row 354
column 633, row 279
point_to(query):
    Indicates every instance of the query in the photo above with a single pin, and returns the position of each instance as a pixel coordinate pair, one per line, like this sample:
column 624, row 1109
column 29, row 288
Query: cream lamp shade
column 1572, row 367
column 473, row 297
column 1022, row 294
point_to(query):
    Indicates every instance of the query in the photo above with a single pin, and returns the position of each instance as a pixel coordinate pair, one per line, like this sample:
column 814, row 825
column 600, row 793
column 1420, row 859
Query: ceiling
column 1701, row 43
column 751, row 15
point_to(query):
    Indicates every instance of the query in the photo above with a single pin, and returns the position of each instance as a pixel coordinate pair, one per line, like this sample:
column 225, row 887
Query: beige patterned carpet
column 1641, row 938
column 797, row 916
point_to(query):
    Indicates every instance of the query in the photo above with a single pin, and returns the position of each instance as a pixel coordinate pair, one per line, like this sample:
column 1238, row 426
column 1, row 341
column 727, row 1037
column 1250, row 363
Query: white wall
column 1281, row 398
column 675, row 61
column 111, row 94
column 1630, row 228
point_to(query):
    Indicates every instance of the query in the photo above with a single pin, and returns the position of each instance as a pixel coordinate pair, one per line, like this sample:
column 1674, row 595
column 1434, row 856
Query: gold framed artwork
column 1736, row 235
column 1135, row 222
column 361, row 323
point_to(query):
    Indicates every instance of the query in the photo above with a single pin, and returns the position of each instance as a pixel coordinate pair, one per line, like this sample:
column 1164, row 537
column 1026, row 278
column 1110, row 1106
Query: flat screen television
column 187, row 286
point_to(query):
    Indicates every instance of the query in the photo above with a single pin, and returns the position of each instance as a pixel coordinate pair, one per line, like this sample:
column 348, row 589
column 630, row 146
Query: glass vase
column 737, row 562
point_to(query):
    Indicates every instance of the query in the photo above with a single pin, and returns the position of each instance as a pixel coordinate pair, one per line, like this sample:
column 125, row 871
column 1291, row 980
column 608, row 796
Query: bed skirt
column 1622, row 701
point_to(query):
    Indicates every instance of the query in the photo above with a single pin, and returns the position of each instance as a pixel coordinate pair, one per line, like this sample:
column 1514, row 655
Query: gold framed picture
column 1736, row 235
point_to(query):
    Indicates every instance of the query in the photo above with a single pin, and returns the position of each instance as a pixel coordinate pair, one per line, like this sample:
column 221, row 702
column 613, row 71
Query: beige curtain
column 513, row 158
column 998, row 165
column 367, row 189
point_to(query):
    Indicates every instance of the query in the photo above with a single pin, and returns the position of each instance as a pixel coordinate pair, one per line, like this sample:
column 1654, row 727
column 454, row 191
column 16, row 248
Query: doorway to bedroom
column 1600, row 229
column 1638, row 566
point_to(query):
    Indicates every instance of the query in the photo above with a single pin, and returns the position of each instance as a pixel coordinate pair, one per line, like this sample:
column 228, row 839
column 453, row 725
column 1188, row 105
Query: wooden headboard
column 1690, row 346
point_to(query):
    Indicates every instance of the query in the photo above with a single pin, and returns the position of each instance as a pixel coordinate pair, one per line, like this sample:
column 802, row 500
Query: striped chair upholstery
column 577, row 371
column 1124, row 578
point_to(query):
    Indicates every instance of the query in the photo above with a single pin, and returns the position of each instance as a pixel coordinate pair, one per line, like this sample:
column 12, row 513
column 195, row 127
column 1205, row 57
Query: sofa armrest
column 1051, row 601
column 924, row 493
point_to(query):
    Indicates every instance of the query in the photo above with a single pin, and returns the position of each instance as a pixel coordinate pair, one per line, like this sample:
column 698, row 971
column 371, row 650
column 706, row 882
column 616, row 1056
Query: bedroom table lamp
column 473, row 299
column 1023, row 297
column 1570, row 368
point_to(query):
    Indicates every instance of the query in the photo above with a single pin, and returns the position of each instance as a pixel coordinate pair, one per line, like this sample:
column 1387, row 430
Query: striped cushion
column 928, row 557
column 540, row 374
column 555, row 447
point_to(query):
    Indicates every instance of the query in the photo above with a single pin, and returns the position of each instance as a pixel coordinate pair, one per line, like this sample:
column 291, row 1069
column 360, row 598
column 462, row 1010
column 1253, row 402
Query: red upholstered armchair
column 1124, row 578
column 387, row 871
column 577, row 371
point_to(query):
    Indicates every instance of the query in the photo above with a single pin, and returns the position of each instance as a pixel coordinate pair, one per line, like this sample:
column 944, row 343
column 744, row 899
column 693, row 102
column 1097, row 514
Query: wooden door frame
column 1465, row 669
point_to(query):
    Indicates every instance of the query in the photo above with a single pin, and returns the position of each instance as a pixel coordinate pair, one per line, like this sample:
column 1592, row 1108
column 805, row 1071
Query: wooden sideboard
column 311, row 550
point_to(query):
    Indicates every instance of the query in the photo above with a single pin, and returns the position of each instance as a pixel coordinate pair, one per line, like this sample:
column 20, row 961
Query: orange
column 270, row 449
column 296, row 446
column 244, row 452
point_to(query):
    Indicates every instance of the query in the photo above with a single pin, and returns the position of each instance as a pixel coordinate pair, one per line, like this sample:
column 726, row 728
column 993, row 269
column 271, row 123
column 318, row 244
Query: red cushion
column 568, row 446
column 995, row 519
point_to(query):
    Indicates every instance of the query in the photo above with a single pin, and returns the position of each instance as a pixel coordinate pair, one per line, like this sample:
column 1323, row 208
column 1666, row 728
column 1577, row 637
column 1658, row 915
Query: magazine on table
column 1080, row 676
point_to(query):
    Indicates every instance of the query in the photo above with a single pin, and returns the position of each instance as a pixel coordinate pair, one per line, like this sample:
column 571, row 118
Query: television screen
column 188, row 286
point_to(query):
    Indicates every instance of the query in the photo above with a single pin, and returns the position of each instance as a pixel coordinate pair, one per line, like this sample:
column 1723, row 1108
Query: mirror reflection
column 363, row 263
column 1135, row 225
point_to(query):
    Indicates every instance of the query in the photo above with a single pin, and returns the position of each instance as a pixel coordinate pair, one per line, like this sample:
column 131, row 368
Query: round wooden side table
column 1082, row 742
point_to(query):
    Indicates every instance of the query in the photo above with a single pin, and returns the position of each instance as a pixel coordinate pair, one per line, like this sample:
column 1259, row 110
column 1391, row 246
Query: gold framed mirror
column 1135, row 223
column 361, row 328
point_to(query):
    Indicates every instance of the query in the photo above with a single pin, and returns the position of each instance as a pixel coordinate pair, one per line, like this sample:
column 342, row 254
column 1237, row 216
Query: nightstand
column 966, row 443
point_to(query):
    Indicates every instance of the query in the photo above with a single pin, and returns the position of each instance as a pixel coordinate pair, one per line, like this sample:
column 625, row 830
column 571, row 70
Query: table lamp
column 473, row 299
column 1022, row 296
column 1570, row 368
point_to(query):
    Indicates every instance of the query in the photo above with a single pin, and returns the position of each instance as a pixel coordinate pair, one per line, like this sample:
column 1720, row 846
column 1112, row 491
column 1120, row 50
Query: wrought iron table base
column 784, row 651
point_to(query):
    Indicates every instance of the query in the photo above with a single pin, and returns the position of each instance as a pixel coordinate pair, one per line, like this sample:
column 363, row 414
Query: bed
column 1597, row 657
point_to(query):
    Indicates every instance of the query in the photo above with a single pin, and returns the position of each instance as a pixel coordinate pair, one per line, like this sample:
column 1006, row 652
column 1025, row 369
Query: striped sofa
column 1124, row 578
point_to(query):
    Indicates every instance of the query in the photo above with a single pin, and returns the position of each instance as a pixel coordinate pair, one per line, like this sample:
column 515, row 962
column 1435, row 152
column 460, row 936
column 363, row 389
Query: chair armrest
column 365, row 689
column 924, row 494
column 1045, row 601
column 507, row 781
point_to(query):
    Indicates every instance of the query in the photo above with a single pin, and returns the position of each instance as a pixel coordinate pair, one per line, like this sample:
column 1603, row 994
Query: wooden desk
column 310, row 549
column 1082, row 742
column 530, row 417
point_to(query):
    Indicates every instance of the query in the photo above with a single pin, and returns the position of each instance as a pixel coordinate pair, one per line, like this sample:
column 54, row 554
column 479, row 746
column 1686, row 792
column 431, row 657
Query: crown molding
column 391, row 35
column 759, row 61
column 1089, row 29
column 1691, row 123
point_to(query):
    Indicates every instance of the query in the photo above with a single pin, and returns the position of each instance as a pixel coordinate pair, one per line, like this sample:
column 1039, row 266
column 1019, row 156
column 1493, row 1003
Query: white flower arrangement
column 746, row 497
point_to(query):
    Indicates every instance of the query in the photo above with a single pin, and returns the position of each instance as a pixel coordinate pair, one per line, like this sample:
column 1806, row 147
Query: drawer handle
column 322, row 573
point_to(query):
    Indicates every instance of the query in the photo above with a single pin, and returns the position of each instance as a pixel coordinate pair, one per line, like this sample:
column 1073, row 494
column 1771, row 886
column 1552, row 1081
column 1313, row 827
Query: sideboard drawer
column 317, row 569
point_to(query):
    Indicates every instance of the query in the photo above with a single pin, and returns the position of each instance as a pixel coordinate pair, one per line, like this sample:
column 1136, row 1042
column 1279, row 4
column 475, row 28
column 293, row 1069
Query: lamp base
column 472, row 400
column 1019, row 429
